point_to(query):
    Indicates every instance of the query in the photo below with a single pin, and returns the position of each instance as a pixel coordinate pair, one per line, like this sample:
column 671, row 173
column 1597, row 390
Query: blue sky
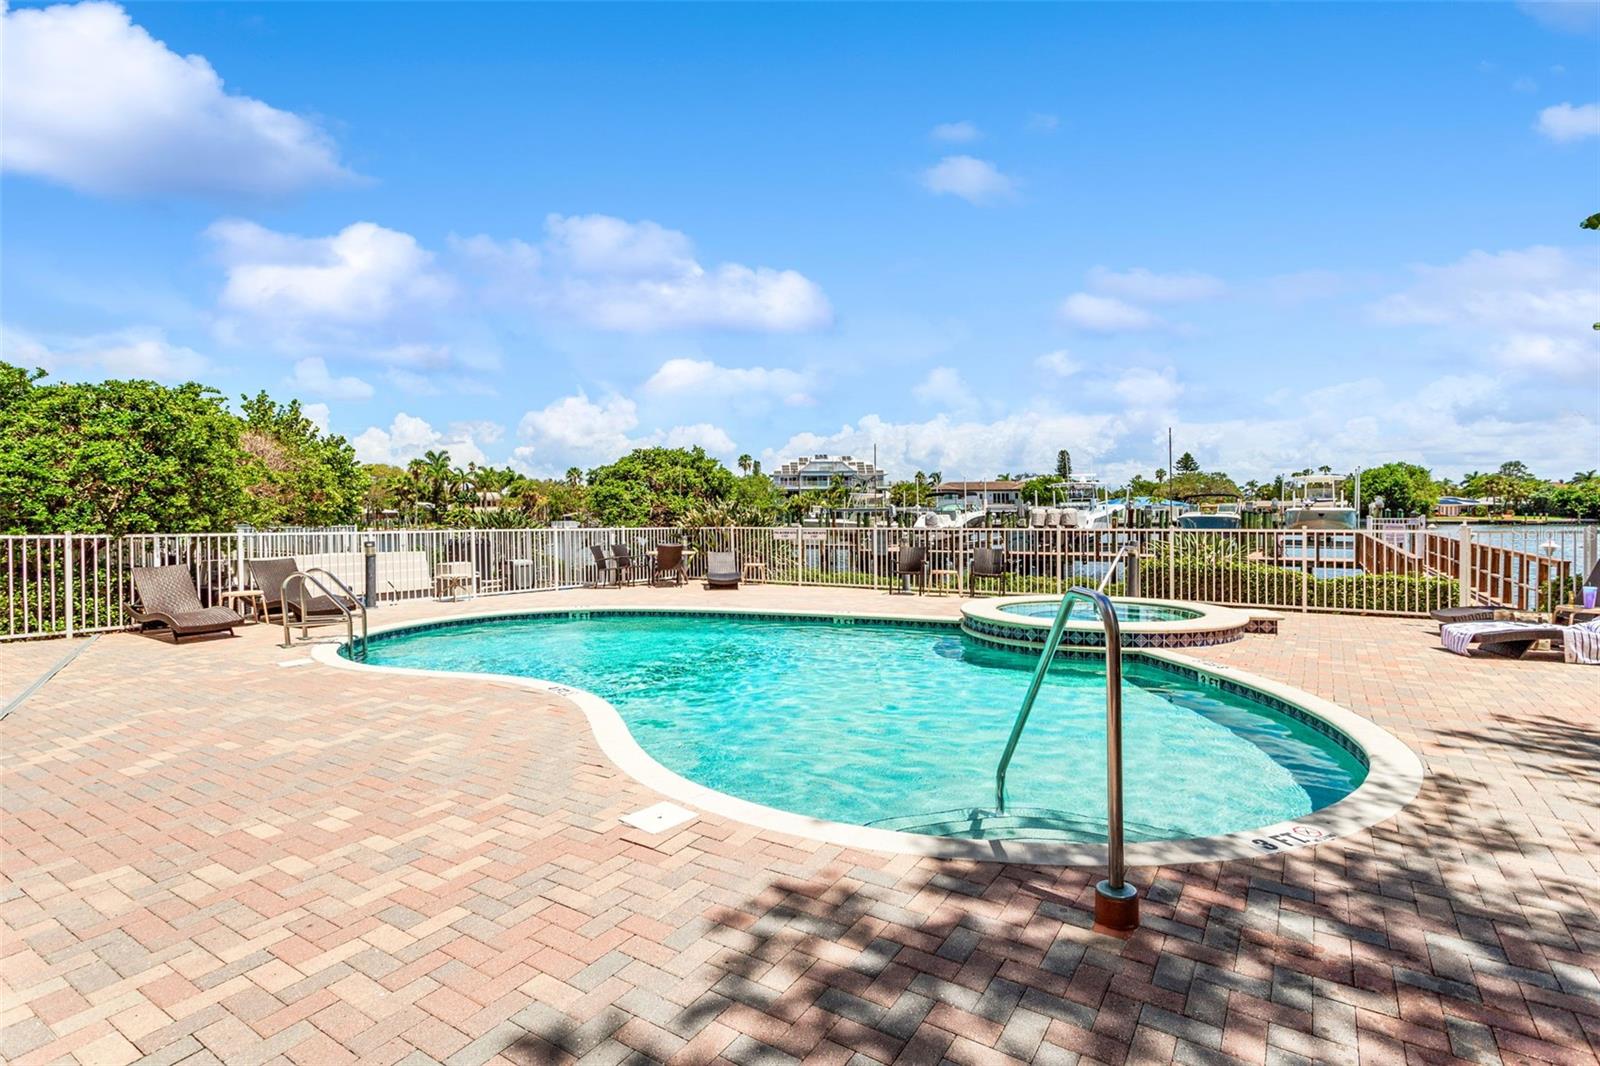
column 968, row 236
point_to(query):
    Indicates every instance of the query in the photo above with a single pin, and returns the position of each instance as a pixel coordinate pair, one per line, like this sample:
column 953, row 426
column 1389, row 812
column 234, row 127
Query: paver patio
column 210, row 856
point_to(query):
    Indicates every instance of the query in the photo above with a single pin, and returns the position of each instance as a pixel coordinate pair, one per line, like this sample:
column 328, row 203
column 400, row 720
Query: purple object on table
column 1588, row 596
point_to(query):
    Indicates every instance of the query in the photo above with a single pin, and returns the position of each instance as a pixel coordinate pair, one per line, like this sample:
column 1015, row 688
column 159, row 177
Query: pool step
column 1016, row 823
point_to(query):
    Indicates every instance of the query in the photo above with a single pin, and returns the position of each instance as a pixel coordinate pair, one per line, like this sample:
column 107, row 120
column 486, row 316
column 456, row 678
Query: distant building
column 815, row 473
column 990, row 495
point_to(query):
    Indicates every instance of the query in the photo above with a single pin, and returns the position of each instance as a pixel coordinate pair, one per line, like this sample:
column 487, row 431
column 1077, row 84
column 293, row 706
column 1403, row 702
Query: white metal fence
column 71, row 583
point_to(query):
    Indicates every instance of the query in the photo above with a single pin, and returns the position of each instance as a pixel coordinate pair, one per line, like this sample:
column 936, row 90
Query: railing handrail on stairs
column 1116, row 901
column 310, row 575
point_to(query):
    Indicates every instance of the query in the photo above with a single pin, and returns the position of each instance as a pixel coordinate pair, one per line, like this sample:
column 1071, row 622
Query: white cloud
column 1147, row 286
column 714, row 439
column 1105, row 314
column 1040, row 122
column 1059, row 363
column 1451, row 424
column 1025, row 440
column 479, row 429
column 944, row 388
column 94, row 102
column 1143, row 389
column 1524, row 84
column 1526, row 308
column 956, row 132
column 1564, row 122
column 412, row 383
column 408, row 437
column 575, row 430
column 311, row 376
column 977, row 181
column 143, row 354
column 612, row 274
column 317, row 413
column 704, row 378
column 578, row 424
column 360, row 276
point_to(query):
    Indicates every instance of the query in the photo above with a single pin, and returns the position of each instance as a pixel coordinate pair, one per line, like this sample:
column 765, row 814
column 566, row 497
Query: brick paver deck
column 209, row 856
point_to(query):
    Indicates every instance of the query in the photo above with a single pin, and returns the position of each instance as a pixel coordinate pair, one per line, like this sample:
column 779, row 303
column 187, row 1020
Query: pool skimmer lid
column 658, row 818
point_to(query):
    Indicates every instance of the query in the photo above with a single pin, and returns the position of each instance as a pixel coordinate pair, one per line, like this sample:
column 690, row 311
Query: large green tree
column 658, row 487
column 302, row 476
column 1405, row 487
column 117, row 457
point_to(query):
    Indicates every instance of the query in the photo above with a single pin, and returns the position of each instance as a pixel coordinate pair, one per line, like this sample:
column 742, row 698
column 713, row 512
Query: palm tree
column 755, row 467
column 436, row 475
column 745, row 462
column 1584, row 475
column 574, row 476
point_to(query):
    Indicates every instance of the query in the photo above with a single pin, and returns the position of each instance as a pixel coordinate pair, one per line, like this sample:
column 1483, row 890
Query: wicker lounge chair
column 1510, row 640
column 912, row 561
column 1489, row 612
column 269, row 576
column 987, row 562
column 722, row 570
column 166, row 596
column 668, row 563
column 1485, row 612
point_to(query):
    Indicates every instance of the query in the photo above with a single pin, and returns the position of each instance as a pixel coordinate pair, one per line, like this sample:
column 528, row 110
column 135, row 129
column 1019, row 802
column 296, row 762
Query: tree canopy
column 138, row 457
column 1405, row 487
column 658, row 487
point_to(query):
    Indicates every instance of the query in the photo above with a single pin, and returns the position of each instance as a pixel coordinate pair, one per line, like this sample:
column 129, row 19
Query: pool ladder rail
column 349, row 606
column 1116, row 903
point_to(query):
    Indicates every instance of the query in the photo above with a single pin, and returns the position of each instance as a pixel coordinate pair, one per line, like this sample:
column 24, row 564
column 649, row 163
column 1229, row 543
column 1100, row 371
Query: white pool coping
column 1393, row 779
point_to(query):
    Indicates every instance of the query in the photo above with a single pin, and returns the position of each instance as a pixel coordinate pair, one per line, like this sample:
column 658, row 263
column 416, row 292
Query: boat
column 1319, row 503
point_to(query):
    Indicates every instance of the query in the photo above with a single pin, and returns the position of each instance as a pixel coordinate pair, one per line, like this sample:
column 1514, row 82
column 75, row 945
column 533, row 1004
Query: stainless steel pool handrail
column 1112, row 569
column 303, row 576
column 1116, row 901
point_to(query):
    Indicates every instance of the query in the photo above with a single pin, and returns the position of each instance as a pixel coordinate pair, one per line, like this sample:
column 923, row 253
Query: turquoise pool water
column 866, row 723
column 1126, row 612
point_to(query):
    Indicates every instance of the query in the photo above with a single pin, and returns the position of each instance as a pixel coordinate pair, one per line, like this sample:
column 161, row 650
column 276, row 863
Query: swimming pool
column 899, row 725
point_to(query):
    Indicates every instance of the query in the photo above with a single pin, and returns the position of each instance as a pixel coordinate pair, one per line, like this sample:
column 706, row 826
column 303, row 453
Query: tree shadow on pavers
column 1562, row 745
column 857, row 956
column 1449, row 907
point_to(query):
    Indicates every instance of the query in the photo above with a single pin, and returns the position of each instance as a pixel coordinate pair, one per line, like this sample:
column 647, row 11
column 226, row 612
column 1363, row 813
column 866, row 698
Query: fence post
column 1590, row 553
column 69, row 585
column 1464, row 567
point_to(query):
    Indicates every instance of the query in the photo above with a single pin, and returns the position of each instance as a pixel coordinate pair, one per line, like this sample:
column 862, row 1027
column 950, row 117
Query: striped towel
column 1581, row 643
column 1457, row 636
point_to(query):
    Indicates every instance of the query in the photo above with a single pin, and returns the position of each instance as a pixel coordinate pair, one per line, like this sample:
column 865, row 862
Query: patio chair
column 912, row 561
column 610, row 569
column 987, row 562
column 668, row 563
column 269, row 576
column 722, row 570
column 166, row 596
column 624, row 557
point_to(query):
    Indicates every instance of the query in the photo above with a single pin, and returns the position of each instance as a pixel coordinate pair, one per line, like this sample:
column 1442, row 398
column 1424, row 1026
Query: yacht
column 1318, row 503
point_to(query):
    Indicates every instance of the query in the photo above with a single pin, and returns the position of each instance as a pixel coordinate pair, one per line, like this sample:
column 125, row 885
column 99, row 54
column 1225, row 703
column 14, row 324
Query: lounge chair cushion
column 1581, row 643
column 1459, row 636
